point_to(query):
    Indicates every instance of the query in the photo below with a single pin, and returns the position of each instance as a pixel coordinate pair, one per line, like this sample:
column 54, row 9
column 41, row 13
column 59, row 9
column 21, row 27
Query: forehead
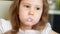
column 34, row 2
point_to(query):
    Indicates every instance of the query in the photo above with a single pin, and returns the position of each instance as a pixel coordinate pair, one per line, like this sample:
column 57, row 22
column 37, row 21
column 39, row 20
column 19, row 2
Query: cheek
column 22, row 14
column 23, row 11
column 38, row 16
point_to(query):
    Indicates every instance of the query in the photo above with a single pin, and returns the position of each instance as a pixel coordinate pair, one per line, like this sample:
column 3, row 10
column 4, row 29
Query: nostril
column 31, row 13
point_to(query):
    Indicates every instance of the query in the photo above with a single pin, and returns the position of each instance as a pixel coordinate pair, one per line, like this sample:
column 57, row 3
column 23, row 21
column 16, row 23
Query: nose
column 31, row 12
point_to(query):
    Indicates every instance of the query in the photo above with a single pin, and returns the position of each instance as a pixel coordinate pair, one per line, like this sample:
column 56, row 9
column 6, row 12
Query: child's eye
column 37, row 8
column 26, row 6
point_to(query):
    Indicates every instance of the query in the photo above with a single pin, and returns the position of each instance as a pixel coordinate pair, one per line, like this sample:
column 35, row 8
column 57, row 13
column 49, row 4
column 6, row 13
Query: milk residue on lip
column 29, row 19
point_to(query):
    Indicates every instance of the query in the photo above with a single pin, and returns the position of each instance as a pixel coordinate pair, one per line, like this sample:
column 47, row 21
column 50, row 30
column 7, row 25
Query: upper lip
column 30, row 18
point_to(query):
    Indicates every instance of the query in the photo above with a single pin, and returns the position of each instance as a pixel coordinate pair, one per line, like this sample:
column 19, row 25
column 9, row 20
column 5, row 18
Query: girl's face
column 30, row 11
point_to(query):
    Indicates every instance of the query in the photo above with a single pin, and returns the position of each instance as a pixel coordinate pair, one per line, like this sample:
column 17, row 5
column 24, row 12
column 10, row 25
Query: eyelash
column 37, row 8
column 26, row 6
column 29, row 7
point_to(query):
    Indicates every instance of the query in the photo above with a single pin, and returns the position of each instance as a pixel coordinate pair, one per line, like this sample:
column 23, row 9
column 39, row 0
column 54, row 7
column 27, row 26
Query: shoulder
column 5, row 25
column 52, row 32
column 46, row 29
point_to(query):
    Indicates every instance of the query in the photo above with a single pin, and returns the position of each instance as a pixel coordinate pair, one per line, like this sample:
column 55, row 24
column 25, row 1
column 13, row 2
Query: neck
column 25, row 27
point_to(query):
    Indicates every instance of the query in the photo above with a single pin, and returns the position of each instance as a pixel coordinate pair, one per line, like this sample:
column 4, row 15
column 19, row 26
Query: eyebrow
column 38, row 5
column 30, row 4
column 26, row 3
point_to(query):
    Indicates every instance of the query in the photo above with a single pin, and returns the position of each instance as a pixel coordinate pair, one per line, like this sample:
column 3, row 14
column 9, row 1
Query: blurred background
column 54, row 12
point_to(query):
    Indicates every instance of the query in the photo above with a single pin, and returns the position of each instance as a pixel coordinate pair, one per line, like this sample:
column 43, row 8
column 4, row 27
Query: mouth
column 29, row 19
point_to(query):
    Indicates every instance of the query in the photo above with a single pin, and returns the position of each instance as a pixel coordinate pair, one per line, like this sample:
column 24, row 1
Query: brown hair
column 14, row 9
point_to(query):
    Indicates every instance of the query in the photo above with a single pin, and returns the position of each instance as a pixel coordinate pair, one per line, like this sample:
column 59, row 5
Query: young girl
column 27, row 17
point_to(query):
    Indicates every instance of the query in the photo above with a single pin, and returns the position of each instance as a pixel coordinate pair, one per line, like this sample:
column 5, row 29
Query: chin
column 29, row 23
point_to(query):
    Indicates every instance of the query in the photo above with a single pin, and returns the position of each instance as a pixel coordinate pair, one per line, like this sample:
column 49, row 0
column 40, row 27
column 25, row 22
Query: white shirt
column 5, row 26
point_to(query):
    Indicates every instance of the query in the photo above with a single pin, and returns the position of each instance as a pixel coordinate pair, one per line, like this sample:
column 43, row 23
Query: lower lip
column 29, row 19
